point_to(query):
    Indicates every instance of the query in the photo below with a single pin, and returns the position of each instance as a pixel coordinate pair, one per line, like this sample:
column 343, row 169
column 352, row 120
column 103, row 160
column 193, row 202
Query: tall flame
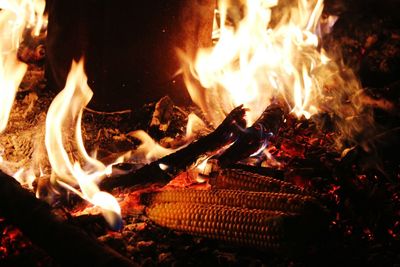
column 11, row 73
column 15, row 17
column 257, row 57
column 64, row 115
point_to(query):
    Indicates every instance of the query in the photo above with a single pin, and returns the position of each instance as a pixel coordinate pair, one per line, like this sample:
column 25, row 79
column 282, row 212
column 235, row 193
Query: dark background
column 129, row 46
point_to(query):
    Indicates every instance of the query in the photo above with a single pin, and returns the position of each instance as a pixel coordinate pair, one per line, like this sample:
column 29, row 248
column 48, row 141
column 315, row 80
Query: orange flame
column 256, row 58
column 65, row 113
column 11, row 73
column 195, row 125
column 15, row 17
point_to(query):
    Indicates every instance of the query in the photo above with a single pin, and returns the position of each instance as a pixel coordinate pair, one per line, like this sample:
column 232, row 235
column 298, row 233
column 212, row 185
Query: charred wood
column 254, row 138
column 67, row 244
column 163, row 170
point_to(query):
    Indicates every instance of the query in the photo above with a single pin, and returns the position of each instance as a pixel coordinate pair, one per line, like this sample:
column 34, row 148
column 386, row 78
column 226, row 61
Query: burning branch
column 164, row 169
column 254, row 139
column 69, row 245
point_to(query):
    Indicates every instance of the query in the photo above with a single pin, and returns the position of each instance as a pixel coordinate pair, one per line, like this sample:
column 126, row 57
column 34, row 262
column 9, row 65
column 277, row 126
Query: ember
column 288, row 152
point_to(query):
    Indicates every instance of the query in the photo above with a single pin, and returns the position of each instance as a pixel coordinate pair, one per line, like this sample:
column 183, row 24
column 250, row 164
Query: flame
column 195, row 125
column 11, row 73
column 257, row 57
column 15, row 18
column 65, row 113
column 40, row 20
column 149, row 149
column 25, row 178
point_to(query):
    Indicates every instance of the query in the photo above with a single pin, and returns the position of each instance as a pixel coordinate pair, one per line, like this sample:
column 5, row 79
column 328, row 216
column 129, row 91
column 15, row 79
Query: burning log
column 32, row 50
column 164, row 169
column 69, row 245
column 254, row 139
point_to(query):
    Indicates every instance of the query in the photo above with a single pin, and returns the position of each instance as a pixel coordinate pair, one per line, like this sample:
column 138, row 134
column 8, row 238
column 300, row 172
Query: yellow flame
column 149, row 149
column 64, row 115
column 40, row 19
column 20, row 15
column 11, row 73
column 194, row 126
column 15, row 17
column 257, row 57
column 25, row 178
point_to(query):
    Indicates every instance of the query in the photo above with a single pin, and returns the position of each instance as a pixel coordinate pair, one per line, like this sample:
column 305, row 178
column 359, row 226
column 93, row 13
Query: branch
column 254, row 138
column 179, row 161
column 67, row 244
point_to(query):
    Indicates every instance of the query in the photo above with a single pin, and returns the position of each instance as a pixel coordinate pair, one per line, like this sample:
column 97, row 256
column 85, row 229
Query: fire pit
column 267, row 135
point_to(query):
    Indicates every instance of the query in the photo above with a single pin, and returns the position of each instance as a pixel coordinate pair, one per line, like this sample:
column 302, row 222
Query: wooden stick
column 255, row 137
column 67, row 244
column 164, row 169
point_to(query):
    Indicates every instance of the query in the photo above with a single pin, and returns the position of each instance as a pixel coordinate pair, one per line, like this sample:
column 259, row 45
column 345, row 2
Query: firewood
column 255, row 137
column 164, row 169
column 67, row 244
column 162, row 113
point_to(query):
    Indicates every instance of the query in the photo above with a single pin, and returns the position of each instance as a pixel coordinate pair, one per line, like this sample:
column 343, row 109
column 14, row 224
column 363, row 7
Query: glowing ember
column 256, row 58
column 78, row 168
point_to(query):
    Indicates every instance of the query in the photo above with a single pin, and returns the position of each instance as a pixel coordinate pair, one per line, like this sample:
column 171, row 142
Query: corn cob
column 240, row 226
column 284, row 202
column 242, row 180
